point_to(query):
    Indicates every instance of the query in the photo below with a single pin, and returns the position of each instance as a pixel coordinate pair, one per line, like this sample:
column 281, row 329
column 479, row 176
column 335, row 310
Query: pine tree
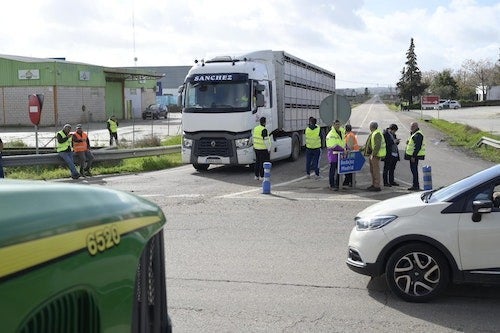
column 410, row 85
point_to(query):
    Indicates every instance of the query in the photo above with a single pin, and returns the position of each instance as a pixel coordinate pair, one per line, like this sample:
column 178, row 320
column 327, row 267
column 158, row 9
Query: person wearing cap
column 64, row 139
column 81, row 147
column 392, row 156
column 415, row 150
column 313, row 147
column 112, row 125
column 261, row 147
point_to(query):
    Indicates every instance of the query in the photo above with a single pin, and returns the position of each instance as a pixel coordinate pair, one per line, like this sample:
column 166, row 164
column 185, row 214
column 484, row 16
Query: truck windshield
column 217, row 96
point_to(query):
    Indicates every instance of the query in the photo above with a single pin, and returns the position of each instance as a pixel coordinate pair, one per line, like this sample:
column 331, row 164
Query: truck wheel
column 295, row 148
column 201, row 167
column 417, row 272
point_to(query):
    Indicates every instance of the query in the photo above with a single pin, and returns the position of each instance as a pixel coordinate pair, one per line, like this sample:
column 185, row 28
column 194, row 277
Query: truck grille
column 214, row 147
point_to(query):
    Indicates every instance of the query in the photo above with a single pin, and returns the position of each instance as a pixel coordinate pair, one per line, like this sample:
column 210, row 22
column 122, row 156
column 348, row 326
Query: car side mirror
column 480, row 207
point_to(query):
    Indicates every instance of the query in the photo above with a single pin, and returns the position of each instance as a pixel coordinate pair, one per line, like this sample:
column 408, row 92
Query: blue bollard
column 426, row 169
column 266, row 183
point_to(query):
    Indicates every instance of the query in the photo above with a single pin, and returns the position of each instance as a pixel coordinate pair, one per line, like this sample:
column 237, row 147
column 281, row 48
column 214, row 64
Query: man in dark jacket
column 415, row 150
column 392, row 156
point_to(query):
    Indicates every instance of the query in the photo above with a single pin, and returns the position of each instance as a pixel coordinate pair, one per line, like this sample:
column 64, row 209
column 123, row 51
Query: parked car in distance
column 424, row 240
column 155, row 111
column 448, row 104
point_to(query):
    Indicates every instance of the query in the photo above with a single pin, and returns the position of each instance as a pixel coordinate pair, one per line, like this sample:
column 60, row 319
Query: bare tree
column 481, row 73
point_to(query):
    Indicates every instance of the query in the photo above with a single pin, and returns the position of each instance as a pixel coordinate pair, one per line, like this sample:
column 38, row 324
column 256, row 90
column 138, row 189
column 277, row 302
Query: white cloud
column 363, row 42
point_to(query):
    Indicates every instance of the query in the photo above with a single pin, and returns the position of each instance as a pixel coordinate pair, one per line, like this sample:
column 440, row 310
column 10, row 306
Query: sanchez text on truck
column 223, row 98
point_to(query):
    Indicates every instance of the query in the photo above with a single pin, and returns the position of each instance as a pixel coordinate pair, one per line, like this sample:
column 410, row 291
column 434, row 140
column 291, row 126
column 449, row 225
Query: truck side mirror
column 179, row 100
column 260, row 88
column 259, row 100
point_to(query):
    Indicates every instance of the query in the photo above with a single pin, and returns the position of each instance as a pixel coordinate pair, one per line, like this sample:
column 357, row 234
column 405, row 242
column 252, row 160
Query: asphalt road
column 238, row 260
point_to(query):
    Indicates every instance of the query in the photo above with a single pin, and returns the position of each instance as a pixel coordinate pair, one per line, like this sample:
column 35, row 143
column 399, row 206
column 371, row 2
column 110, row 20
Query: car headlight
column 187, row 143
column 374, row 222
column 242, row 143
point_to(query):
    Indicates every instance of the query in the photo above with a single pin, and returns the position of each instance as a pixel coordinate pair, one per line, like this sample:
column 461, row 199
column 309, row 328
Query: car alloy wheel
column 417, row 272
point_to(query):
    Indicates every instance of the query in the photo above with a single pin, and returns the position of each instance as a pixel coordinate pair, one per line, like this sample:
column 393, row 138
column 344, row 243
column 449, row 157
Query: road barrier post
column 266, row 184
column 426, row 169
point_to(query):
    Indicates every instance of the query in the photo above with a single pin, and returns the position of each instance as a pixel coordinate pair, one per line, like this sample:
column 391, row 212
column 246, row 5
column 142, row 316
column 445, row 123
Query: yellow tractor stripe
column 17, row 257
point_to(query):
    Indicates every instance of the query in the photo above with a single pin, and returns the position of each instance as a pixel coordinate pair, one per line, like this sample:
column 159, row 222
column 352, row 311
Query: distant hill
column 371, row 91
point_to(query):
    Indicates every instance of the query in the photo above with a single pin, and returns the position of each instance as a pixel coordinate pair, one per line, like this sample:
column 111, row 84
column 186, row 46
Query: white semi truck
column 224, row 97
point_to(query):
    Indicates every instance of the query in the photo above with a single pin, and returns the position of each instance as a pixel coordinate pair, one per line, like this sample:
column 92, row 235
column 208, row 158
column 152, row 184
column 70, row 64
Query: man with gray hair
column 375, row 149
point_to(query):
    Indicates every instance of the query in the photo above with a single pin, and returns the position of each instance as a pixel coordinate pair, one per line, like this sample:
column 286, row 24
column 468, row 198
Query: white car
column 424, row 240
column 449, row 104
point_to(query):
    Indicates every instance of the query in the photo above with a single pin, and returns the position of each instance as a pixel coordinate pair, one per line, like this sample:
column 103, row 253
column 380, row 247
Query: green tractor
column 83, row 259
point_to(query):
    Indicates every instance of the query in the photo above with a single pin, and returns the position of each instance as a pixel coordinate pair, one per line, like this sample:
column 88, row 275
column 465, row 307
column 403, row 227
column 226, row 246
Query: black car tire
column 144, row 117
column 201, row 167
column 417, row 272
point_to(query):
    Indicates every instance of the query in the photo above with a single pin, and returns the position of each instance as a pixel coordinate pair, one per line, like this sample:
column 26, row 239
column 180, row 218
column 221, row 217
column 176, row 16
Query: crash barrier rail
column 488, row 141
column 99, row 155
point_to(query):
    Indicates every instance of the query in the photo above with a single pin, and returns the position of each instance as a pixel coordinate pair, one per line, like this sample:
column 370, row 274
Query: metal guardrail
column 488, row 141
column 100, row 155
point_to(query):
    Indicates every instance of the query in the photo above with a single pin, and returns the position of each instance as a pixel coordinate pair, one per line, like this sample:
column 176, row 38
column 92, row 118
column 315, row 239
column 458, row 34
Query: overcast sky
column 363, row 41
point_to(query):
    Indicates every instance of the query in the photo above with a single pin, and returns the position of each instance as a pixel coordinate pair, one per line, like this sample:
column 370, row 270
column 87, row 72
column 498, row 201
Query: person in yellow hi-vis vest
column 65, row 150
column 415, row 150
column 112, row 125
column 261, row 147
column 313, row 147
column 335, row 143
column 375, row 149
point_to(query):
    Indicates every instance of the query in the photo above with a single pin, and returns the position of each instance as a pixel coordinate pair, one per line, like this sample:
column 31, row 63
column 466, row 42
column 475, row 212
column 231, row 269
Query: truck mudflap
column 78, row 258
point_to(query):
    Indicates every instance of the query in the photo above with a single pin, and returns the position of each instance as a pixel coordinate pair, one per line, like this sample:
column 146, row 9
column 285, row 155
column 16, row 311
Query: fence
column 488, row 141
column 100, row 155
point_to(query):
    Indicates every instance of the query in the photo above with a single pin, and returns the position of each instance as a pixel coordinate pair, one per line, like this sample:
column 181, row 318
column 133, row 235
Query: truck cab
column 223, row 98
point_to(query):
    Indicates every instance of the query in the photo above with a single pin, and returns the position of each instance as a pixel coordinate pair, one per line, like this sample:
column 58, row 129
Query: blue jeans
column 312, row 160
column 67, row 156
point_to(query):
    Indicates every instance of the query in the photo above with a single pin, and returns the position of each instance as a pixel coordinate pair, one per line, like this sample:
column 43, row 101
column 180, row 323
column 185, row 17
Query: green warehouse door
column 114, row 99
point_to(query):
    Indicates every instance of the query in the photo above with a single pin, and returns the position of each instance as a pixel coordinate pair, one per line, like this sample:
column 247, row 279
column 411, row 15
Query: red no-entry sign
column 35, row 103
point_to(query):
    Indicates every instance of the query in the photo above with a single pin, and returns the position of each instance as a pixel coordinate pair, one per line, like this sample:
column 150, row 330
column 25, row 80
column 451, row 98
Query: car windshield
column 451, row 191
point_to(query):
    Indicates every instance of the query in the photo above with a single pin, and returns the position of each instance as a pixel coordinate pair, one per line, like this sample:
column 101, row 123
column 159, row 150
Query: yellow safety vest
column 113, row 126
column 334, row 139
column 410, row 147
column 65, row 145
column 258, row 140
column 382, row 151
column 313, row 140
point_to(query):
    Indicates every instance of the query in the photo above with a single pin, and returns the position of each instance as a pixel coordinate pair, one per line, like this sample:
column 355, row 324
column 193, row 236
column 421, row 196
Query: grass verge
column 467, row 137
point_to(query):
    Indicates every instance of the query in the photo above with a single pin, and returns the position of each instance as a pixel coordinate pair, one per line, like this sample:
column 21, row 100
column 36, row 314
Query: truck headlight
column 242, row 143
column 374, row 222
column 187, row 143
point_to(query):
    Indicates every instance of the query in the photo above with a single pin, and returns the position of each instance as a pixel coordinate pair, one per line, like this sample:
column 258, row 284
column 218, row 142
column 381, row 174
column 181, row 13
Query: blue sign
column 351, row 162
